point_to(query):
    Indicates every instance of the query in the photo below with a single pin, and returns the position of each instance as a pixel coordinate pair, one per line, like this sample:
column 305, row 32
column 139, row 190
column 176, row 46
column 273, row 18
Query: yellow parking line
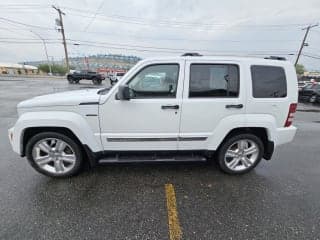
column 175, row 232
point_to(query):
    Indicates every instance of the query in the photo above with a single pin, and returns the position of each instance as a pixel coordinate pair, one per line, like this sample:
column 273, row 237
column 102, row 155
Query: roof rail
column 194, row 54
column 276, row 58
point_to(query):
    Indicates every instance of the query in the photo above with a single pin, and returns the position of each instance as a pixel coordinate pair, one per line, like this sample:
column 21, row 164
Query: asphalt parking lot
column 280, row 199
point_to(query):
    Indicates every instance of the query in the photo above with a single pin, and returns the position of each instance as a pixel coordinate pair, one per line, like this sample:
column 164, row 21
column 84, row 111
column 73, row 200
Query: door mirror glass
column 123, row 93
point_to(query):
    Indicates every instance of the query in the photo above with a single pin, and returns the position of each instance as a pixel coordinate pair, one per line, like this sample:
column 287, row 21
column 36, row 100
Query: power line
column 188, row 40
column 22, row 39
column 180, row 24
column 152, row 47
column 164, row 21
column 309, row 56
column 23, row 24
column 94, row 16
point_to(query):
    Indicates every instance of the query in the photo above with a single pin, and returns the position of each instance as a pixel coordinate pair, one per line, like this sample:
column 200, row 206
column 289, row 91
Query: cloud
column 221, row 27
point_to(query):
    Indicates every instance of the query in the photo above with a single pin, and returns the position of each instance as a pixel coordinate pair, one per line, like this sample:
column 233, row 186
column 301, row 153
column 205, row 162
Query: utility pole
column 45, row 49
column 60, row 23
column 304, row 41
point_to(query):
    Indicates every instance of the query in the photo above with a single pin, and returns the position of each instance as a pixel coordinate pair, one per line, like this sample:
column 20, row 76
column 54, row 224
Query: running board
column 125, row 158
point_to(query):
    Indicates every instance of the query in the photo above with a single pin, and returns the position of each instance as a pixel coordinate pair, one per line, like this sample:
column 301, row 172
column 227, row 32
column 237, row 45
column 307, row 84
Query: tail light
column 292, row 110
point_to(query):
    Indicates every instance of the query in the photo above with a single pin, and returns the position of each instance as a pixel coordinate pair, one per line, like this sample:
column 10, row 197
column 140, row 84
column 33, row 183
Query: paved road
column 278, row 200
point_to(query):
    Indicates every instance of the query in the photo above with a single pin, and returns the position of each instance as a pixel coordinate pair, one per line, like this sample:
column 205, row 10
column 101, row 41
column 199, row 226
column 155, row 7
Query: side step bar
column 120, row 158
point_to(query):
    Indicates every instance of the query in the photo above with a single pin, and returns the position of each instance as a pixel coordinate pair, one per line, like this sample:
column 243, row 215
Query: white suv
column 191, row 108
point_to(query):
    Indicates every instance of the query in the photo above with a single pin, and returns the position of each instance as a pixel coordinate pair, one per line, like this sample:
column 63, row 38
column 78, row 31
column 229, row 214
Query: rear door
column 212, row 92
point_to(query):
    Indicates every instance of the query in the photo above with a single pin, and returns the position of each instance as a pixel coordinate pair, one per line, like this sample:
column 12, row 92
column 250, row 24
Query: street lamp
column 45, row 49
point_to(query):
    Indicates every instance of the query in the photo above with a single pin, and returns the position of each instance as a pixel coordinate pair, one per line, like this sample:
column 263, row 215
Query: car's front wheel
column 96, row 81
column 54, row 154
column 70, row 79
column 240, row 154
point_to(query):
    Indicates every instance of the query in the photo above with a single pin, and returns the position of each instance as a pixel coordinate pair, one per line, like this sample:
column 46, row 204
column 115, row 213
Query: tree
column 56, row 69
column 300, row 69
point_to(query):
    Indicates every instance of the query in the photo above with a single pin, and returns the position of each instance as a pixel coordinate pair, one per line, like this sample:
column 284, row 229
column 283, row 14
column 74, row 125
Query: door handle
column 237, row 106
column 176, row 107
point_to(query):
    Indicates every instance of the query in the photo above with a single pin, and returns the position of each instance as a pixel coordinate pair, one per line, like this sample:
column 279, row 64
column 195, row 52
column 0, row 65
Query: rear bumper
column 285, row 135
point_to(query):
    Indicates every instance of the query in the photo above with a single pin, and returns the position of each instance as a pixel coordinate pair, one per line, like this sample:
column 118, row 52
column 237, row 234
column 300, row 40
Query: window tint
column 268, row 82
column 213, row 80
column 156, row 81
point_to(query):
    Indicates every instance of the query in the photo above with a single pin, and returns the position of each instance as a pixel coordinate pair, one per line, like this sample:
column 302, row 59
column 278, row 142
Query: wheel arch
column 260, row 132
column 29, row 132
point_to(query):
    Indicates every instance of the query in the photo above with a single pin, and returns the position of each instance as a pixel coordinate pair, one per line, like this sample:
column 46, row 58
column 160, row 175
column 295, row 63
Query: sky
column 150, row 28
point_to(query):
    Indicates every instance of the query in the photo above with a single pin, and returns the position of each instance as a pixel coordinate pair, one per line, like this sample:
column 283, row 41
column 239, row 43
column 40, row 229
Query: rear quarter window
column 268, row 82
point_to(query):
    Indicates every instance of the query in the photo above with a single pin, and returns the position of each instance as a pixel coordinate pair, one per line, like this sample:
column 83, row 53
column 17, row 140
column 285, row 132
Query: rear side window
column 213, row 80
column 268, row 82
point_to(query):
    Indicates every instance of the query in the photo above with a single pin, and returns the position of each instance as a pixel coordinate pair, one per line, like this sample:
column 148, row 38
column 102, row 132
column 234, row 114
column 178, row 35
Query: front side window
column 156, row 81
column 268, row 82
column 214, row 80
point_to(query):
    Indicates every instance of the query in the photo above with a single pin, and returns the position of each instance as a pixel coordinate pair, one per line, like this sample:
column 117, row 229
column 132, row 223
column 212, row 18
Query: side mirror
column 123, row 93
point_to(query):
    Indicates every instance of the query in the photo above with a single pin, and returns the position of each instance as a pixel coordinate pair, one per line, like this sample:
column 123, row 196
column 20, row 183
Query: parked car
column 235, row 110
column 301, row 85
column 115, row 77
column 76, row 76
column 310, row 93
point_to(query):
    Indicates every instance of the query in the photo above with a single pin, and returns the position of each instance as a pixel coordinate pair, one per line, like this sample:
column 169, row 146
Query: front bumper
column 13, row 140
column 10, row 135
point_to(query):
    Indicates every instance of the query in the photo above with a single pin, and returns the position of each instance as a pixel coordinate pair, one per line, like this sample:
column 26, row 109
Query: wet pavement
column 280, row 199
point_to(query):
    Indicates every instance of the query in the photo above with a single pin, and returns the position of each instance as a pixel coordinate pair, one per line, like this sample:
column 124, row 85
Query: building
column 17, row 69
column 308, row 76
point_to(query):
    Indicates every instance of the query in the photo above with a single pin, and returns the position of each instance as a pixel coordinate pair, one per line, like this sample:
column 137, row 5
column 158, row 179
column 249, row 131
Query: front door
column 150, row 119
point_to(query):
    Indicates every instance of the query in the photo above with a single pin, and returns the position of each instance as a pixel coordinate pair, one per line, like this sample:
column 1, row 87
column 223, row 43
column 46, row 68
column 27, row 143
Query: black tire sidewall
column 74, row 145
column 227, row 143
column 313, row 99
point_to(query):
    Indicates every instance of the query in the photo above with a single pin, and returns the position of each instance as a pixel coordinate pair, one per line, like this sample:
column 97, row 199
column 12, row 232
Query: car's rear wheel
column 240, row 154
column 96, row 81
column 313, row 99
column 54, row 154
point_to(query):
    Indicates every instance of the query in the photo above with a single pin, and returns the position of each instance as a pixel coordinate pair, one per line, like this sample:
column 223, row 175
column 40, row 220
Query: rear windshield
column 268, row 82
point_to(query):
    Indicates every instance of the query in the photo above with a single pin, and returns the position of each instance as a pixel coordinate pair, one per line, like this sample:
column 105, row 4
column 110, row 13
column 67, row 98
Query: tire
column 95, row 81
column 70, row 79
column 43, row 153
column 113, row 81
column 237, row 161
column 313, row 99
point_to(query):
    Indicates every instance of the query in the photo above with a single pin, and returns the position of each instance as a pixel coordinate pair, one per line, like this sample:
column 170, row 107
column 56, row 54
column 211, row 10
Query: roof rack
column 276, row 58
column 191, row 55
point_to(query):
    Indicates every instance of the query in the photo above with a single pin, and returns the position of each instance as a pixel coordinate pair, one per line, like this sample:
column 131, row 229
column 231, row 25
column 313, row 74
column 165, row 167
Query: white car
column 114, row 78
column 235, row 110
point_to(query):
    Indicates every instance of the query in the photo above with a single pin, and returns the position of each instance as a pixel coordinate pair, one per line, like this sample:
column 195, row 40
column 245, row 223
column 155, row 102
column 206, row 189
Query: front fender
column 70, row 120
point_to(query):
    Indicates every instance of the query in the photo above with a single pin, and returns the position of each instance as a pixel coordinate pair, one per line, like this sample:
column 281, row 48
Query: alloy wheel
column 241, row 155
column 54, row 155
